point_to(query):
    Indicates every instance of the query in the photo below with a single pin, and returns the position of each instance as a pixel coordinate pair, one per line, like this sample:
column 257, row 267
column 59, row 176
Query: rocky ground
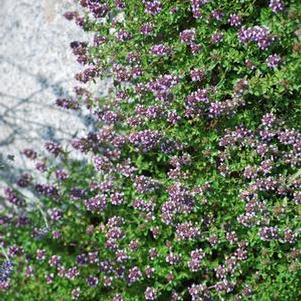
column 36, row 67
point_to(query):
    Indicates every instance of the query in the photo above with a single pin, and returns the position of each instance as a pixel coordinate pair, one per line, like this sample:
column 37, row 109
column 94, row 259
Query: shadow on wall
column 16, row 125
column 15, row 129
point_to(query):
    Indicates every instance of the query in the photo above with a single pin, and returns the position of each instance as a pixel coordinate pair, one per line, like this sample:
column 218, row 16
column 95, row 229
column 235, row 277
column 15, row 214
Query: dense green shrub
column 190, row 185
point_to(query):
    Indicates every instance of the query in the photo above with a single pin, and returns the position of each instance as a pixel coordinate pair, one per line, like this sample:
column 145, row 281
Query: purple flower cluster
column 227, row 107
column 196, row 257
column 197, row 291
column 99, row 40
column 6, row 270
column 12, row 197
column 187, row 231
column 259, row 34
column 92, row 281
column 47, row 190
column 161, row 86
column 89, row 73
column 268, row 233
column 193, row 102
column 160, row 50
column 123, row 35
column 146, row 140
column 145, row 184
column 96, row 204
column 67, row 103
column 97, row 9
column 180, row 200
column 79, row 49
column 274, row 146
column 75, row 293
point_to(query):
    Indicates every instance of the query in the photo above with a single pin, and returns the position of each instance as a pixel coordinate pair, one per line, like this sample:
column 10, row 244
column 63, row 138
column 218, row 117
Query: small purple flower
column 268, row 120
column 97, row 9
column 173, row 259
column 40, row 254
column 55, row 261
column 234, row 20
column 196, row 257
column 297, row 197
column 217, row 14
column 56, row 234
column 224, row 286
column 92, row 281
column 147, row 29
column 123, row 35
column 117, row 298
column 146, row 140
column 121, row 73
column 134, row 275
column 197, row 74
column 41, row 166
column 29, row 153
column 120, row 4
column 195, row 48
column 276, row 5
column 96, row 204
column 6, row 270
column 289, row 236
column 268, row 233
column 145, row 184
column 12, row 197
column 55, row 214
column 150, row 293
column 173, row 117
column 89, row 73
column 75, row 293
column 217, row 37
column 99, row 40
column 162, row 85
column 133, row 57
column 49, row 278
column 72, row 273
column 196, row 6
column 197, row 291
column 149, row 272
column 188, row 36
column 53, row 148
column 69, row 104
column 273, row 60
column 61, row 174
column 152, row 7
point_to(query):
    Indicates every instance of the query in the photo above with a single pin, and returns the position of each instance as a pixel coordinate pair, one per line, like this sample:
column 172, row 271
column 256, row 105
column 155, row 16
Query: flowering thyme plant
column 190, row 184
